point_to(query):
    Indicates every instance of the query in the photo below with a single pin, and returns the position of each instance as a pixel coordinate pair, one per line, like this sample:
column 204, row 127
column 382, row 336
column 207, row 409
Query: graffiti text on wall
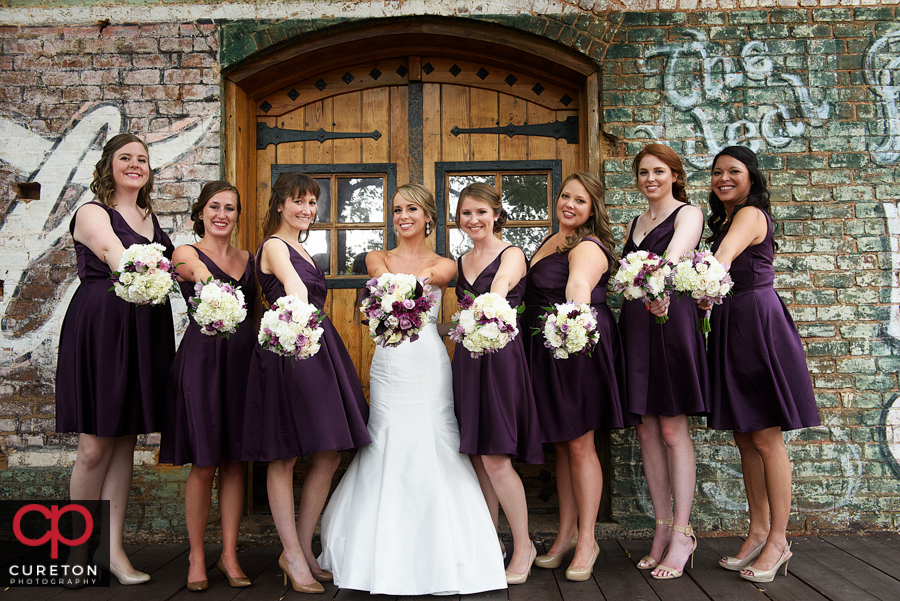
column 883, row 74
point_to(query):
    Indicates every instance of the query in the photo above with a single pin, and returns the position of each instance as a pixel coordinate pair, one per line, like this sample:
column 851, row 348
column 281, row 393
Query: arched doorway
column 366, row 107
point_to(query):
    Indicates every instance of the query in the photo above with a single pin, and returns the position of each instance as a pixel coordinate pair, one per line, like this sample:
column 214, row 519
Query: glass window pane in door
column 360, row 199
column 319, row 248
column 526, row 238
column 323, row 205
column 525, row 197
column 455, row 185
column 352, row 248
column 458, row 244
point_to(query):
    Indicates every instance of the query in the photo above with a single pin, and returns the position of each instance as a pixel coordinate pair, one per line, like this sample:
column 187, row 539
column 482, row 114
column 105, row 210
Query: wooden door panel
column 484, row 109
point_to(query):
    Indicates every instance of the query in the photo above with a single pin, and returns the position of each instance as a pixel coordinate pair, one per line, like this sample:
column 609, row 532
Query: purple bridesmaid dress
column 114, row 356
column 492, row 393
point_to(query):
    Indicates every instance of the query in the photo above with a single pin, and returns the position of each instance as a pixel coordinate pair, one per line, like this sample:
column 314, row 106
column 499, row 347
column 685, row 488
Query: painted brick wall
column 810, row 88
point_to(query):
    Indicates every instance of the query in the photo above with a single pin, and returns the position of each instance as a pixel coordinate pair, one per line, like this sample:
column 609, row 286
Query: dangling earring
column 428, row 229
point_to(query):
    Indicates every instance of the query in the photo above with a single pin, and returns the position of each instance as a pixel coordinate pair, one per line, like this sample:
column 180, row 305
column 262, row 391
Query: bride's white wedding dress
column 408, row 517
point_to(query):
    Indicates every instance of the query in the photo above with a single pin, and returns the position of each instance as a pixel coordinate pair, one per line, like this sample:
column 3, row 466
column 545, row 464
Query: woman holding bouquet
column 295, row 408
column 494, row 403
column 113, row 355
column 667, row 377
column 582, row 393
column 759, row 380
column 207, row 384
column 408, row 517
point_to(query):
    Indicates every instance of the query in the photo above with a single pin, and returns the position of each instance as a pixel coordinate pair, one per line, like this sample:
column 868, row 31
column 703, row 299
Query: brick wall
column 809, row 87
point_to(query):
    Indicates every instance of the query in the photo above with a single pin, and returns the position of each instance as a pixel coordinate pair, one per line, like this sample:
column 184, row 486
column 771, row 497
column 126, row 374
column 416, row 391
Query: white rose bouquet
column 291, row 328
column 643, row 276
column 217, row 307
column 570, row 328
column 396, row 307
column 700, row 274
column 485, row 323
column 145, row 275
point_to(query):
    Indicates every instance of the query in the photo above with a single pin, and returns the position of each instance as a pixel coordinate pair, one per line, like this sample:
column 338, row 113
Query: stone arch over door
column 407, row 101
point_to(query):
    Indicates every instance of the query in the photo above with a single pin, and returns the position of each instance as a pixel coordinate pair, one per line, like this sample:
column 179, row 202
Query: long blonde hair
column 597, row 224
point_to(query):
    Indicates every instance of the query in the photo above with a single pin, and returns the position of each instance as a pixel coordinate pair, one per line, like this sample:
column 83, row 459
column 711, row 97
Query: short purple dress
column 208, row 383
column 315, row 404
column 584, row 392
column 492, row 393
column 666, row 363
column 758, row 373
column 114, row 356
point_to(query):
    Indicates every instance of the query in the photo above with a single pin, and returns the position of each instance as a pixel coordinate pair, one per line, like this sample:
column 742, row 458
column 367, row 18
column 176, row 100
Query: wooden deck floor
column 836, row 568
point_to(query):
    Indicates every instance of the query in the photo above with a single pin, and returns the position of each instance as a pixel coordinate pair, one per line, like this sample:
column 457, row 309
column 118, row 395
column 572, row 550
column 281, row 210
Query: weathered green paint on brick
column 748, row 17
column 873, row 13
column 831, row 14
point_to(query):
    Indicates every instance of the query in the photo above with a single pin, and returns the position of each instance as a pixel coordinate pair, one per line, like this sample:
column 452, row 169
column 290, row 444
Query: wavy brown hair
column 672, row 161
column 487, row 194
column 287, row 186
column 759, row 192
column 209, row 190
column 104, row 187
column 597, row 224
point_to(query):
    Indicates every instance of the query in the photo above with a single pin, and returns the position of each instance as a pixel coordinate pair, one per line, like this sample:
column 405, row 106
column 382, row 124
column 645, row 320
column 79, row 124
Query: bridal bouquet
column 396, row 306
column 217, row 307
column 700, row 274
column 484, row 324
column 291, row 328
column 643, row 276
column 145, row 275
column 570, row 329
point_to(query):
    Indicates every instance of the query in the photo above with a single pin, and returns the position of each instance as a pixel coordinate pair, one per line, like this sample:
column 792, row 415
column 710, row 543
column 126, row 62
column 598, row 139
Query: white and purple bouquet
column 291, row 328
column 643, row 276
column 570, row 329
column 217, row 307
column 145, row 275
column 484, row 323
column 700, row 274
column 396, row 306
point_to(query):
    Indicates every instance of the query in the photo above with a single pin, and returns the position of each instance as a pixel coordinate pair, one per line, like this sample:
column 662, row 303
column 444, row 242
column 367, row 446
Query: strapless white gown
column 408, row 517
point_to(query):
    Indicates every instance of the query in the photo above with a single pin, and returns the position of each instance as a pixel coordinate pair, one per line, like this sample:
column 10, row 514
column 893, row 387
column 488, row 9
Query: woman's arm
column 192, row 269
column 439, row 273
column 94, row 229
column 688, row 230
column 587, row 264
column 277, row 261
column 512, row 269
column 376, row 263
column 749, row 227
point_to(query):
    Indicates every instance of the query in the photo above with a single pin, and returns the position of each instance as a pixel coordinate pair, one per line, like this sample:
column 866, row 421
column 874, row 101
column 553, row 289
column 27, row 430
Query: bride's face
column 409, row 218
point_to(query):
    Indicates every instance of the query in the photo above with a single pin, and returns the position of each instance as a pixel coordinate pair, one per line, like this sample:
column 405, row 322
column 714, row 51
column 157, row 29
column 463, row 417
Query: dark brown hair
column 759, row 193
column 209, row 190
column 672, row 161
column 287, row 186
column 597, row 224
column 487, row 194
column 104, row 187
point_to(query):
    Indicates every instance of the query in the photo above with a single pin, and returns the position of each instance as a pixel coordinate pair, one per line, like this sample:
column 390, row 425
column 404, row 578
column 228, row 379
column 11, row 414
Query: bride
column 408, row 517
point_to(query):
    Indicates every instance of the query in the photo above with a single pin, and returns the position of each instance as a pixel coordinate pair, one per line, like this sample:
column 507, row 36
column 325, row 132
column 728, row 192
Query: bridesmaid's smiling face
column 220, row 214
column 654, row 178
column 731, row 182
column 573, row 207
column 476, row 218
column 409, row 218
column 130, row 167
column 299, row 212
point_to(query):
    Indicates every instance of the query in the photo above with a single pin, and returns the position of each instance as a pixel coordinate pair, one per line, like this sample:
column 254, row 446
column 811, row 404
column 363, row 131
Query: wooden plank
column 455, row 112
column 485, row 113
column 568, row 153
column 239, row 138
column 319, row 115
column 541, row 585
column 376, row 115
column 513, row 110
column 343, row 309
column 367, row 350
column 541, row 148
column 617, row 577
column 347, row 117
column 498, row 595
column 677, row 589
column 268, row 579
column 292, row 153
column 891, row 539
column 432, row 138
column 398, row 133
column 870, row 550
column 264, row 161
column 591, row 150
column 719, row 583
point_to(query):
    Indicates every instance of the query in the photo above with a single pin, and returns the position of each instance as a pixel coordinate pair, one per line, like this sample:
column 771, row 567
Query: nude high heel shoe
column 554, row 561
column 239, row 582
column 300, row 588
column 672, row 573
column 512, row 578
column 736, row 565
column 582, row 574
column 647, row 562
column 756, row 575
column 135, row 577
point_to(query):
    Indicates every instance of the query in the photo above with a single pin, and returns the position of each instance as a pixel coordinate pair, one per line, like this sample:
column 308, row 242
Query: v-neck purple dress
column 666, row 363
column 208, row 383
column 584, row 392
column 492, row 393
column 758, row 373
column 113, row 355
column 315, row 404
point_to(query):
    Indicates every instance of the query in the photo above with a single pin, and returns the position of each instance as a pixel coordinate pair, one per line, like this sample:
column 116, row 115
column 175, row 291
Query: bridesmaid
column 578, row 395
column 312, row 406
column 494, row 403
column 207, row 384
column 759, row 379
column 667, row 378
column 113, row 355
